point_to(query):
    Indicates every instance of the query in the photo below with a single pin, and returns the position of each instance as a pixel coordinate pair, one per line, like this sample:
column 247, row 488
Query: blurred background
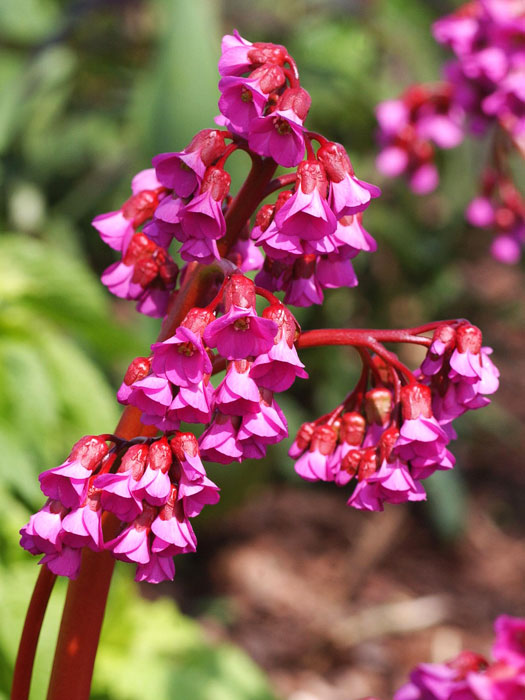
column 291, row 594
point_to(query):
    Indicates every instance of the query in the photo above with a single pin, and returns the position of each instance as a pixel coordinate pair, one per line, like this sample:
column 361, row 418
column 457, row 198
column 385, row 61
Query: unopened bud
column 296, row 99
column 145, row 272
column 210, row 144
column 140, row 207
column 467, row 662
column 324, row 439
column 184, row 444
column 387, row 441
column 217, row 181
column 310, row 176
column 353, row 427
column 378, row 405
column 285, row 320
column 468, row 338
column 89, row 451
column 416, row 400
column 335, row 160
column 138, row 369
column 197, row 319
column 351, row 461
column 134, row 460
column 261, row 52
column 446, row 335
column 368, row 464
column 302, row 440
column 264, row 216
column 139, row 247
column 283, row 197
column 270, row 77
column 159, row 456
column 239, row 291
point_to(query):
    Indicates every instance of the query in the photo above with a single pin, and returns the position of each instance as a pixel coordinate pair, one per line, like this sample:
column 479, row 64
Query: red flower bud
column 145, row 272
column 184, row 443
column 387, row 441
column 217, row 181
column 197, row 319
column 335, row 160
column 285, row 320
column 264, row 216
column 210, row 143
column 283, row 197
column 134, row 460
column 304, row 435
column 304, row 266
column 378, row 405
column 296, row 99
column 262, row 52
column 239, row 291
column 312, row 175
column 468, row 337
column 89, row 451
column 270, row 77
column 140, row 207
column 324, row 439
column 368, row 464
column 416, row 400
column 159, row 456
column 445, row 334
column 140, row 247
column 138, row 369
column 353, row 427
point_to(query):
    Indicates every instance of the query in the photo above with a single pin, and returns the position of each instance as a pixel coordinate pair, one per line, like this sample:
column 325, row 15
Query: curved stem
column 280, row 182
column 30, row 634
column 359, row 337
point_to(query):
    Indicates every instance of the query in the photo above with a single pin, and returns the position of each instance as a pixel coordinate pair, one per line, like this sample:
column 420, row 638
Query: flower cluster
column 390, row 433
column 310, row 233
column 152, row 487
column 241, row 414
column 470, row 676
column 482, row 93
column 391, row 437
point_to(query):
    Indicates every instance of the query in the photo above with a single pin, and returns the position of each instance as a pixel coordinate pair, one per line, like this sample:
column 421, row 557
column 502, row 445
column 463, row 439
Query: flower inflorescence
column 482, row 94
column 135, row 497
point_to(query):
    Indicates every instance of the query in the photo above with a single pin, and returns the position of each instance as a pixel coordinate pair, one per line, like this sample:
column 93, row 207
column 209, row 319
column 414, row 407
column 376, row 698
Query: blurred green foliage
column 91, row 90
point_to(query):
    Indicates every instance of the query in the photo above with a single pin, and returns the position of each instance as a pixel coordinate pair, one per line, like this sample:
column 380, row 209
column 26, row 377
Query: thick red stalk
column 361, row 337
column 31, row 633
column 86, row 599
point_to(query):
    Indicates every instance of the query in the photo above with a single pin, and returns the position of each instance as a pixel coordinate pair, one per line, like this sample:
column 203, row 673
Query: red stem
column 360, row 337
column 280, row 182
column 30, row 634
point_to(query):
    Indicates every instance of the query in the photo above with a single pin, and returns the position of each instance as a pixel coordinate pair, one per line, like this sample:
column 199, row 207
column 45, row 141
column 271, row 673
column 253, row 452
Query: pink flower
column 192, row 404
column 313, row 465
column 509, row 645
column 133, row 543
column 279, row 136
column 82, row 526
column 118, row 490
column 43, row 533
column 154, row 485
column 237, row 394
column 218, row 443
column 183, row 171
column 241, row 101
column 182, row 359
column 65, row 562
column 240, row 333
column 159, row 568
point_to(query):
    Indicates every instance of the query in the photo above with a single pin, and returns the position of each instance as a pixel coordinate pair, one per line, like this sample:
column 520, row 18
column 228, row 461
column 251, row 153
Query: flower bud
column 416, row 400
column 368, row 464
column 197, row 319
column 296, row 99
column 134, row 460
column 335, row 160
column 183, row 444
column 210, row 144
column 324, row 439
column 387, row 441
column 270, row 77
column 264, row 216
column 378, row 405
column 89, row 451
column 145, row 272
column 351, row 461
column 353, row 427
column 302, row 440
column 288, row 326
column 138, row 369
column 217, row 181
column 140, row 247
column 260, row 52
column 446, row 335
column 239, row 291
column 159, row 456
column 140, row 207
column 311, row 175
column 468, row 338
